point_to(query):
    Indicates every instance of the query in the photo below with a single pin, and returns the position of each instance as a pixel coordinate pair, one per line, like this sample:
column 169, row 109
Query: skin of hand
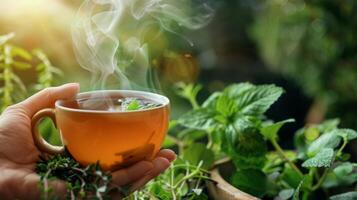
column 18, row 153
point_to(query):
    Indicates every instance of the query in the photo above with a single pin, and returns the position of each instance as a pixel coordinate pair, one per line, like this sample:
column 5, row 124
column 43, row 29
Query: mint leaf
column 133, row 105
column 348, row 133
column 198, row 152
column 254, row 100
column 247, row 148
column 286, row 194
column 270, row 131
column 345, row 174
column 251, row 181
column 343, row 169
column 201, row 119
column 210, row 102
column 323, row 159
column 226, row 106
column 328, row 125
column 345, row 196
column 327, row 140
column 236, row 90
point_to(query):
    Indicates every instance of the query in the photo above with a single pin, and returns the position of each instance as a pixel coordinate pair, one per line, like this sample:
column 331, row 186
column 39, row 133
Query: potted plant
column 236, row 127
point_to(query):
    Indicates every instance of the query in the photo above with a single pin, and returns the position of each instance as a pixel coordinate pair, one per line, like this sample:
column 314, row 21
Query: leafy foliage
column 81, row 182
column 252, row 181
column 14, row 58
column 322, row 159
column 235, row 125
column 181, row 181
column 345, row 196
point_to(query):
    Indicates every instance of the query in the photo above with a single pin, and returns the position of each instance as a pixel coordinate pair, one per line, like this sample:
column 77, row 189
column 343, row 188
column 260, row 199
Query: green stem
column 284, row 157
column 323, row 177
column 345, row 141
column 194, row 103
column 321, row 180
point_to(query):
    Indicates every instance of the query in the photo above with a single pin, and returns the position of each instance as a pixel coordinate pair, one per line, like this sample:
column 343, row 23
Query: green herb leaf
column 226, row 106
column 327, row 140
column 348, row 133
column 328, row 125
column 133, row 105
column 252, row 181
column 202, row 119
column 254, row 100
column 270, row 131
column 211, row 101
column 198, row 152
column 286, row 194
column 323, row 159
column 247, row 148
column 345, row 196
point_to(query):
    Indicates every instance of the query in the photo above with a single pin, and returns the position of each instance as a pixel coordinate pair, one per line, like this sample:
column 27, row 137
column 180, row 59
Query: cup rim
column 164, row 101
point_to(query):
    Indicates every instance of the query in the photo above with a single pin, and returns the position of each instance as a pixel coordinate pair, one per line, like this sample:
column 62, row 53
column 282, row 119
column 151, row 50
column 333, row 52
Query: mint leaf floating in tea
column 131, row 104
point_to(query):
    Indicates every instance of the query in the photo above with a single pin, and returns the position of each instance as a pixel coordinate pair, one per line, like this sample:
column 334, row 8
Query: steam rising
column 109, row 35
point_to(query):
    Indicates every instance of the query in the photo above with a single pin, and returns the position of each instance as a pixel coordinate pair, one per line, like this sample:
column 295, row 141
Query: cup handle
column 42, row 144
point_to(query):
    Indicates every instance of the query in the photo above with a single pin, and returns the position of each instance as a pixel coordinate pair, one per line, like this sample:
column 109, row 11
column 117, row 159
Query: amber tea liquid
column 96, row 129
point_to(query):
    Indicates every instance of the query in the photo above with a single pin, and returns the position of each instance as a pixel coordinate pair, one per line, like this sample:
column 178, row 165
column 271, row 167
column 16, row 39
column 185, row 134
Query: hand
column 18, row 153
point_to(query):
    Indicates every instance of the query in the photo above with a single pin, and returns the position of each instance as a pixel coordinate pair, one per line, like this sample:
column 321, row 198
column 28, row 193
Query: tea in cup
column 113, row 127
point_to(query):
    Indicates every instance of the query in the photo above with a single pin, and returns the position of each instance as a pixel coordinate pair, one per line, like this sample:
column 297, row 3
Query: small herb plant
column 14, row 58
column 181, row 181
column 235, row 126
column 81, row 182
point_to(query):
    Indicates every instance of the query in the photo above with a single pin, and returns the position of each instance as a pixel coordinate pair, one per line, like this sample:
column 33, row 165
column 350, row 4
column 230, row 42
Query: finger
column 23, row 185
column 168, row 154
column 160, row 165
column 131, row 174
column 46, row 98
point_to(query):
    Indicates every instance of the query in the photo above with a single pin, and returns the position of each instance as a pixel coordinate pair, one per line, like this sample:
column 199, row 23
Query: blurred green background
column 307, row 47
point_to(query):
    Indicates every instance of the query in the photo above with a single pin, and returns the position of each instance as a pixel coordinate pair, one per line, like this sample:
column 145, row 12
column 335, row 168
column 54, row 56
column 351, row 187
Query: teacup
column 98, row 133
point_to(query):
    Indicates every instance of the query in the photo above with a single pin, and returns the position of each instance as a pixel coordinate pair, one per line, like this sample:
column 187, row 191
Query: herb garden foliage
column 234, row 122
column 81, row 182
column 313, row 42
column 14, row 58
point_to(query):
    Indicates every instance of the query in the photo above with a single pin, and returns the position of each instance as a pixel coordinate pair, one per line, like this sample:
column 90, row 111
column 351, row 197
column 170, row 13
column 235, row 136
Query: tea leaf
column 252, row 181
column 271, row 131
column 133, row 105
column 345, row 196
column 323, row 159
column 82, row 182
